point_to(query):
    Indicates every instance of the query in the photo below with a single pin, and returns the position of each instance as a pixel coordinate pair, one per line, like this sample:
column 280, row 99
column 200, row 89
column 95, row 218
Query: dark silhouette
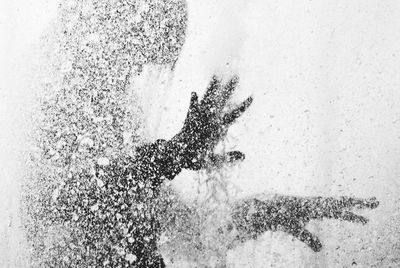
column 113, row 219
column 118, row 222
column 290, row 214
column 123, row 214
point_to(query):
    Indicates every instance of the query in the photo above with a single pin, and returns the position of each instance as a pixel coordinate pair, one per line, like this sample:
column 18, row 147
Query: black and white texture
column 96, row 193
column 88, row 118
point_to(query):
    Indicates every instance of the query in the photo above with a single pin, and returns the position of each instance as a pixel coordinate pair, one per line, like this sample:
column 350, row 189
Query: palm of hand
column 206, row 124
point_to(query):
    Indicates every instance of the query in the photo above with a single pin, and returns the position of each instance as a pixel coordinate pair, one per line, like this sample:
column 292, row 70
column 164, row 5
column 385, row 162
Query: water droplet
column 103, row 161
column 130, row 257
column 66, row 67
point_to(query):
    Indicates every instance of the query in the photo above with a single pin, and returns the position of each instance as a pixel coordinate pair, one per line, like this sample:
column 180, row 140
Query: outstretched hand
column 205, row 125
column 291, row 215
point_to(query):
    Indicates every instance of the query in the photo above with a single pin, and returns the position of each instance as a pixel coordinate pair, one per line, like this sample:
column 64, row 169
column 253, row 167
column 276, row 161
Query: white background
column 325, row 120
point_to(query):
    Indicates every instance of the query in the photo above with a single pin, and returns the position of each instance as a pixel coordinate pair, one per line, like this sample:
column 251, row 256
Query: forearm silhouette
column 133, row 182
column 192, row 148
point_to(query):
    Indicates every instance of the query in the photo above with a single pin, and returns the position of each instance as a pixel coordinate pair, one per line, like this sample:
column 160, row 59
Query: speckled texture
column 88, row 114
column 324, row 122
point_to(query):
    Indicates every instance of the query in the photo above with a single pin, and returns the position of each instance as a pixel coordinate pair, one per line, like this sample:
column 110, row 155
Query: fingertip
column 231, row 116
column 245, row 104
column 352, row 217
column 217, row 160
column 317, row 246
column 372, row 202
column 214, row 85
column 193, row 97
column 215, row 80
column 310, row 239
column 235, row 156
column 231, row 86
column 234, row 80
column 249, row 100
column 362, row 220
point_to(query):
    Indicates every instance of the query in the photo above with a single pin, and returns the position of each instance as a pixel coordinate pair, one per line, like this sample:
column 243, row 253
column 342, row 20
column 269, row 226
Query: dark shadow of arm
column 253, row 217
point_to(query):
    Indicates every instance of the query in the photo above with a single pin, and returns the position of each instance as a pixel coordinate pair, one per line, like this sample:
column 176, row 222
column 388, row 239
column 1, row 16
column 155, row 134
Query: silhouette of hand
column 205, row 125
column 291, row 214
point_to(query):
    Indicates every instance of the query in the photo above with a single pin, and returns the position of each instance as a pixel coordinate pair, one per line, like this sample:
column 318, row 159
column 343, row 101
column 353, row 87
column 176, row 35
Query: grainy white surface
column 325, row 120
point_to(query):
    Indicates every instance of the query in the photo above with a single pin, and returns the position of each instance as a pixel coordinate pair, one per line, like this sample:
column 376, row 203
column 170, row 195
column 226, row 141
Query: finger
column 231, row 116
column 310, row 240
column 227, row 91
column 217, row 160
column 352, row 202
column 233, row 156
column 307, row 237
column 351, row 217
column 193, row 100
column 210, row 97
column 193, row 104
column 370, row 203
